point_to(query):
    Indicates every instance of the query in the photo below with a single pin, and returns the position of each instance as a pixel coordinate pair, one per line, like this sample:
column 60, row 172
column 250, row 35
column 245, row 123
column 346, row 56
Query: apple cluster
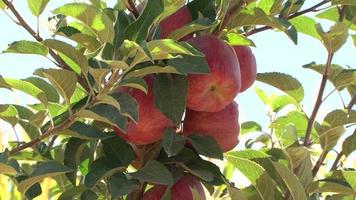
column 211, row 109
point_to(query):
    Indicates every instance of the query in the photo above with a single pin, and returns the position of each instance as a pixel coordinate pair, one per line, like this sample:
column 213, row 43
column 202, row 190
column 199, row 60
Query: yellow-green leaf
column 77, row 61
column 7, row 169
column 64, row 81
column 37, row 6
column 27, row 47
column 94, row 18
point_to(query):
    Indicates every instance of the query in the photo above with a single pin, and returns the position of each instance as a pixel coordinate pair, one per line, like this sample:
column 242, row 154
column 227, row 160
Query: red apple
column 223, row 126
column 175, row 21
column 180, row 190
column 213, row 92
column 248, row 67
column 151, row 122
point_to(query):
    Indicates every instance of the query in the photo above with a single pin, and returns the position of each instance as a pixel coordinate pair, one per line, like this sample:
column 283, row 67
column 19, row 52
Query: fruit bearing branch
column 311, row 9
column 26, row 26
column 318, row 102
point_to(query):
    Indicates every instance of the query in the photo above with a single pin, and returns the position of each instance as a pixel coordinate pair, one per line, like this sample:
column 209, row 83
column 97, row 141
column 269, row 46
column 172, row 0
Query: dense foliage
column 78, row 133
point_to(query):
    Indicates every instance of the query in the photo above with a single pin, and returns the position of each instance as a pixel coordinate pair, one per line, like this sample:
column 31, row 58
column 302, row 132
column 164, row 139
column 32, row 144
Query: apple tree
column 140, row 103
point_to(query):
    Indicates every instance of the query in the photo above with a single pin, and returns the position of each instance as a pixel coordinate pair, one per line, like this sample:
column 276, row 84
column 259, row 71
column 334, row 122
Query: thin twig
column 351, row 103
column 45, row 135
column 319, row 163
column 336, row 161
column 229, row 16
column 310, row 9
column 132, row 8
column 318, row 101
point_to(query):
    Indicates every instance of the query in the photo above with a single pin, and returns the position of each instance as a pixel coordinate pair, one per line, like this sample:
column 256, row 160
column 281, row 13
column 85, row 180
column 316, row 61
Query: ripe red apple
column 151, row 122
column 173, row 22
column 248, row 67
column 180, row 190
column 213, row 92
column 223, row 126
column 176, row 21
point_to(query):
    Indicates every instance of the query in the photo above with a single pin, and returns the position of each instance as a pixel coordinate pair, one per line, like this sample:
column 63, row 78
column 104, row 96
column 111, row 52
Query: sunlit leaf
column 334, row 39
column 293, row 184
column 37, row 6
column 44, row 170
column 76, row 59
column 64, row 81
column 349, row 145
column 284, row 82
column 250, row 126
column 97, row 20
column 27, row 47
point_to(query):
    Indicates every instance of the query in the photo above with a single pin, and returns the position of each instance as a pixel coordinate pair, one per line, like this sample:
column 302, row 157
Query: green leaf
column 108, row 114
column 49, row 90
column 73, row 57
column 72, row 153
column 333, row 15
column 248, row 154
column 27, row 47
column 205, row 170
column 64, row 81
column 346, row 78
column 100, row 169
column 2, row 5
column 329, row 138
column 252, row 171
column 300, row 162
column 37, row 119
column 294, row 186
column 235, row 39
column 344, row 2
column 139, row 29
column 338, row 118
column 118, row 150
column 172, row 142
column 170, row 94
column 284, row 82
column 83, row 131
column 206, row 146
column 43, row 170
column 250, row 126
column 37, row 6
column 257, row 16
column 350, row 177
column 9, row 114
column 333, row 72
column 128, row 105
column 190, row 64
column 349, row 145
column 135, row 82
column 25, row 87
column 305, row 25
column 72, row 192
column 152, row 70
column 279, row 102
column 119, row 185
column 154, row 172
column 94, row 18
column 334, row 39
column 196, row 25
column 7, row 169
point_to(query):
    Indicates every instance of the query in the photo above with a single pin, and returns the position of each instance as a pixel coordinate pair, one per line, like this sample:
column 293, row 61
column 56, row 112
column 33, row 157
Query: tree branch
column 34, row 34
column 319, row 163
column 48, row 133
column 310, row 9
column 336, row 161
column 351, row 103
column 132, row 8
column 318, row 101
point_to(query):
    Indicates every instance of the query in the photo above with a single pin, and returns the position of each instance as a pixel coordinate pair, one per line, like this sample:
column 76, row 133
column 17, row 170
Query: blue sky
column 274, row 52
